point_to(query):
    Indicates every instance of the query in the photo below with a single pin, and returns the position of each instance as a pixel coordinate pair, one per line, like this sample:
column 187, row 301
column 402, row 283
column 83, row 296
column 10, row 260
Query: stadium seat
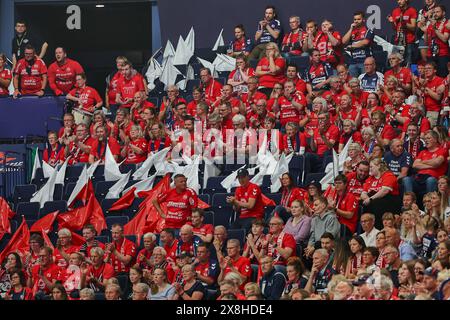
column 205, row 198
column 58, row 192
column 102, row 239
column 237, row 234
column 222, row 216
column 223, row 81
column 28, row 209
column 99, row 174
column 213, row 185
column 208, row 217
column 39, row 179
column 381, row 60
column 254, row 276
column 122, row 220
column 313, row 177
column 296, row 167
column 131, row 237
column 220, row 199
column 211, row 294
column 29, row 223
column 23, row 193
column 52, row 206
column 131, row 210
column 275, row 197
column 68, row 189
column 73, row 173
column 101, row 188
column 280, row 268
column 266, row 183
column 302, row 62
column 127, row 167
column 253, row 63
column 205, row 53
column 191, row 84
column 106, row 204
column 5, row 241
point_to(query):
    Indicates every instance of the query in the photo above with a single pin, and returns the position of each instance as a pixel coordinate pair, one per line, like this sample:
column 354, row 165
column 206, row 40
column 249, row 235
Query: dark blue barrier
column 13, row 163
column 29, row 116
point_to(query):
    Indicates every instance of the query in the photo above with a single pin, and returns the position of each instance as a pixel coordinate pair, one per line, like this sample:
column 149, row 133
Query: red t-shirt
column 293, row 144
column 30, row 83
column 133, row 157
column 405, row 17
column 127, row 88
column 89, row 97
column 354, row 186
column 251, row 191
column 427, row 155
column 242, row 264
column 283, row 240
column 404, row 75
column 61, row 78
column 5, row 74
column 104, row 272
column 126, row 247
column 356, row 136
column 59, row 259
column 332, row 133
column 212, row 91
column 289, row 113
column 268, row 80
column 98, row 149
column 179, row 206
column 387, row 179
column 429, row 102
column 52, row 272
column 172, row 250
column 54, row 157
column 112, row 88
column 348, row 203
column 300, row 85
column 328, row 53
column 253, row 100
column 424, row 125
column 77, row 154
column 388, row 132
column 203, row 230
column 443, row 49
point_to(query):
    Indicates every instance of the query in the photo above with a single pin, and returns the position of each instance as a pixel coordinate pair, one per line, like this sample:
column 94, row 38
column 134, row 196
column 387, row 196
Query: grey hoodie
column 327, row 222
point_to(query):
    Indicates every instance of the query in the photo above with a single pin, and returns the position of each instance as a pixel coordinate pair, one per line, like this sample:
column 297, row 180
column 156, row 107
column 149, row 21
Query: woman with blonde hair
column 158, row 139
column 270, row 69
column 311, row 120
column 251, row 288
column 135, row 149
column 349, row 130
column 391, row 84
column 355, row 156
column 160, row 289
column 368, row 140
column 411, row 229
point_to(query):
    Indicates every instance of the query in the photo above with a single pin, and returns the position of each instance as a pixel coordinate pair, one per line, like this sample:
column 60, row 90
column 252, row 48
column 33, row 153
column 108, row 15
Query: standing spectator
column 21, row 39
column 62, row 73
column 370, row 233
column 292, row 44
column 402, row 74
column 30, row 75
column 270, row 69
column 204, row 231
column 269, row 30
column 121, row 252
column 404, row 21
column 87, row 98
column 210, row 87
column 371, row 80
column 272, row 282
column 423, row 19
column 128, row 85
column 5, row 76
column 413, row 143
column 241, row 45
column 431, row 92
column 111, row 88
column 180, row 202
column 358, row 40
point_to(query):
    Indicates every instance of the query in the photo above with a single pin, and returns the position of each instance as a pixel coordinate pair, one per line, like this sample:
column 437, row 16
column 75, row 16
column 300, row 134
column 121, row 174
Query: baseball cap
column 362, row 279
column 431, row 272
column 242, row 173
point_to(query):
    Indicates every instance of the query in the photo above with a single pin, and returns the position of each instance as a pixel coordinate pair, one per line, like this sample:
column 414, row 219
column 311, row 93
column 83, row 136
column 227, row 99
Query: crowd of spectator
column 380, row 231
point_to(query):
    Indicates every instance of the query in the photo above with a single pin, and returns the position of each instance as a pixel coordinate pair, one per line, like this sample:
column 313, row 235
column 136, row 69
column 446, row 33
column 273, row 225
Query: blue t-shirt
column 266, row 37
column 370, row 83
column 396, row 163
column 360, row 54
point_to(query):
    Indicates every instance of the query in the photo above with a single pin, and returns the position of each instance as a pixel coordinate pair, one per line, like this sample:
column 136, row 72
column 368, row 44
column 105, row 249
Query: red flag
column 125, row 201
column 267, row 202
column 96, row 218
column 44, row 224
column 77, row 240
column 202, row 204
column 85, row 194
column 19, row 242
column 75, row 219
column 47, row 241
column 5, row 215
column 5, row 209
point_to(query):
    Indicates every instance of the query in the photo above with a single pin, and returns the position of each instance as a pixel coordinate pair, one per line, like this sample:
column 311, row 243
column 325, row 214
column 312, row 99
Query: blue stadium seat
column 58, row 193
column 208, row 217
column 223, row 81
column 29, row 223
column 266, row 183
column 313, row 177
column 106, row 204
column 99, row 173
column 39, row 179
column 275, row 197
column 253, row 63
column 28, row 209
column 5, row 241
column 254, row 276
column 101, row 188
column 131, row 237
column 191, row 84
column 219, row 199
column 224, row 75
column 127, row 167
column 122, row 220
column 237, row 234
column 68, row 189
column 302, row 62
column 23, row 193
column 73, row 172
column 213, row 185
column 52, row 206
column 222, row 216
column 205, row 198
column 154, row 100
column 131, row 210
column 296, row 167
column 102, row 239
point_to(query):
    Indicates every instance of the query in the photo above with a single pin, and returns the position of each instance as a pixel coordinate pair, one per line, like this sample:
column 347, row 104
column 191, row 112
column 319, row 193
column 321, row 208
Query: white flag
column 387, row 46
column 117, row 188
column 219, row 41
column 209, row 65
column 183, row 54
column 190, row 40
column 169, row 51
column 230, row 181
column 142, row 172
column 62, row 173
column 333, row 168
column 191, row 173
column 47, row 169
column 46, row 192
column 112, row 171
column 224, row 63
column 143, row 185
column 81, row 182
column 281, row 168
column 36, row 164
column 92, row 168
column 154, row 71
column 169, row 73
column 210, row 171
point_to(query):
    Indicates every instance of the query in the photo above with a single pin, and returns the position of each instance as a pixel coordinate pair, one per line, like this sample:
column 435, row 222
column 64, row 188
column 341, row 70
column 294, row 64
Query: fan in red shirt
column 292, row 44
column 96, row 275
column 344, row 203
column 89, row 234
column 167, row 238
column 64, row 248
column 292, row 74
column 62, row 73
column 211, row 88
column 5, row 77
column 239, row 77
column 252, row 96
column 359, row 97
column 334, row 95
column 432, row 93
column 256, row 118
column 197, row 97
column 121, row 252
column 87, row 98
column 227, row 96
column 402, row 74
column 180, row 202
column 329, row 43
column 30, row 74
column 356, row 179
column 204, row 231
column 417, row 116
column 349, row 131
column 226, row 116
column 293, row 140
column 158, row 140
column 280, row 245
column 384, row 132
column 143, row 256
column 291, row 105
column 135, row 149
column 271, row 68
column 234, row 262
column 98, row 149
column 289, row 193
column 247, row 201
column 347, row 112
column 272, row 136
column 80, row 148
column 128, row 85
column 113, row 78
column 45, row 274
column 54, row 153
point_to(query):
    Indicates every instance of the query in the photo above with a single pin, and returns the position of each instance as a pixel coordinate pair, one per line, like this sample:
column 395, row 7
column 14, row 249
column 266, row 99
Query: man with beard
column 413, row 143
column 356, row 179
column 212, row 89
column 80, row 148
column 62, row 73
column 128, row 85
column 269, row 30
column 98, row 149
column 30, row 75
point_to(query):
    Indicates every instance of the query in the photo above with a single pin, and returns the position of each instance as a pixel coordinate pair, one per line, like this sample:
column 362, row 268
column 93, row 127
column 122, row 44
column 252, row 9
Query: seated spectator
column 324, row 220
column 313, row 192
column 121, row 252
column 387, row 92
column 19, row 289
column 384, row 132
column 66, row 133
column 398, row 160
column 210, row 87
column 87, row 98
column 406, row 279
column 234, row 262
column 239, row 77
column 296, row 277
column 207, row 268
column 187, row 241
column 54, row 153
column 373, row 103
column 160, row 289
column 292, row 74
column 413, row 143
column 219, row 248
column 358, row 40
column 256, row 119
column 80, row 148
column 371, row 80
column 135, row 277
column 357, row 178
column 272, row 282
column 167, row 108
column 89, row 234
column 329, row 43
column 357, row 245
column 321, row 272
column 204, row 231
column 43, row 275
column 247, row 201
column 294, row 141
column 355, row 156
column 380, row 244
column 349, row 130
column 292, row 44
column 5, row 76
column 12, row 263
column 270, row 69
column 128, row 85
column 228, row 96
column 135, row 149
column 111, row 81
column 291, row 105
column 417, row 116
column 289, row 193
column 64, row 248
column 251, row 97
column 30, row 75
column 158, row 139
column 444, row 138
column 359, row 97
column 99, row 119
column 140, row 291
column 58, row 292
column 430, row 164
column 62, row 73
column 393, row 262
column 370, row 232
column 229, row 290
column 406, row 251
column 412, row 230
column 334, row 96
column 381, row 191
column 180, row 202
column 113, row 292
column 251, row 289
column 269, row 30
column 98, row 150
column 317, row 75
column 240, row 45
column 278, row 244
column 311, row 120
column 143, row 258
column 96, row 275
column 402, row 74
column 377, row 152
column 255, row 241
